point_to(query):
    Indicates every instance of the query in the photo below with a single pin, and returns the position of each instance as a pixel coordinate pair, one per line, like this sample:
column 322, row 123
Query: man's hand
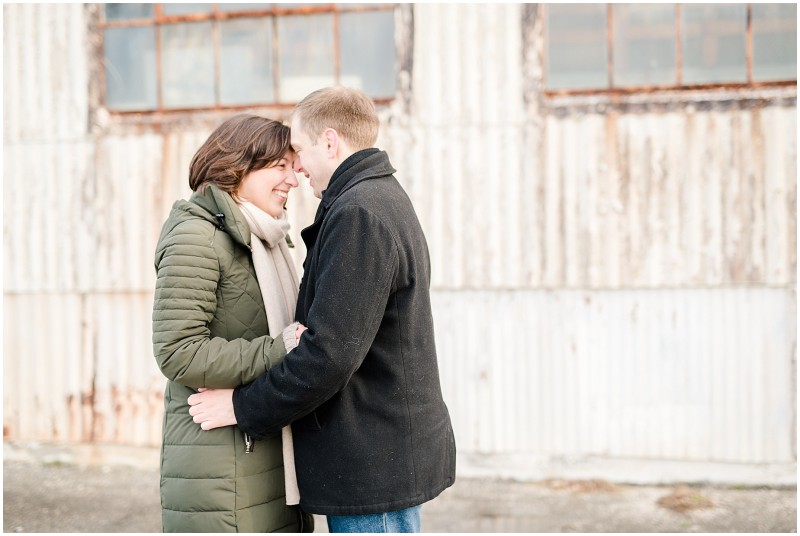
column 212, row 408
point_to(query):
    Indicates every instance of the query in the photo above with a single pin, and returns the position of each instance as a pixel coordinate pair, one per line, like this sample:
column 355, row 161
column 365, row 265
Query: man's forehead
column 294, row 136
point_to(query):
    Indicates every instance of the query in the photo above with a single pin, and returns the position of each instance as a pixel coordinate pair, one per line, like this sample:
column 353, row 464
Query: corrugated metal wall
column 615, row 283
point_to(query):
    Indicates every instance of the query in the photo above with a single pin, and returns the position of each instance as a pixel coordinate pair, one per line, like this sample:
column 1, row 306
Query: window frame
column 215, row 16
column 656, row 88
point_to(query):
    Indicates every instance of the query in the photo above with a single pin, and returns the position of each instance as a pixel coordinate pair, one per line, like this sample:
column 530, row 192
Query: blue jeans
column 399, row 521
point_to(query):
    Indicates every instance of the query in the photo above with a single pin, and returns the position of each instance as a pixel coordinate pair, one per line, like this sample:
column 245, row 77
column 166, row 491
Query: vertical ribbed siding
column 49, row 238
column 689, row 198
column 48, row 369
column 45, row 69
column 695, row 375
column 617, row 285
column 79, row 368
column 464, row 156
column 128, row 384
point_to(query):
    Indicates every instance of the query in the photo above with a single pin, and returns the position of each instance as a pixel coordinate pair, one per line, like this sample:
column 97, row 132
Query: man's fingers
column 209, row 425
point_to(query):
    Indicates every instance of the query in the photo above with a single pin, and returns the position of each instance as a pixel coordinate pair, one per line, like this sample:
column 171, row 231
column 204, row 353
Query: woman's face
column 268, row 188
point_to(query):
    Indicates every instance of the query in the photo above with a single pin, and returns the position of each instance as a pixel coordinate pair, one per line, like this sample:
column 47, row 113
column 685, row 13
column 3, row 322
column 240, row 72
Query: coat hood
column 214, row 206
column 219, row 208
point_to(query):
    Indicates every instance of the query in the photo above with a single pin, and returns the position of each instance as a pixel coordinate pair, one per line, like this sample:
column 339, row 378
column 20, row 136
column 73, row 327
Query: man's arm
column 357, row 267
column 213, row 408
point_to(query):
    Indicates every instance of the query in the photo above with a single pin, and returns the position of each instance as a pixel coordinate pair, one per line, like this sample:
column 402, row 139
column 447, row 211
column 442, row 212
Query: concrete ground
column 69, row 494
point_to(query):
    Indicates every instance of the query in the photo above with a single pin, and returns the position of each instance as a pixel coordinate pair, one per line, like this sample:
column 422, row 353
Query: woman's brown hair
column 242, row 144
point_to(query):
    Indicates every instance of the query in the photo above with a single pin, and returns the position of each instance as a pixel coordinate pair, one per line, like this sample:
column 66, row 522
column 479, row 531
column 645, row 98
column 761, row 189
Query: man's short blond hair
column 348, row 111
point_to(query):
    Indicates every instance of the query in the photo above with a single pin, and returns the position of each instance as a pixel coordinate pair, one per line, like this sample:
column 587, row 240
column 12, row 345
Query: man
column 372, row 434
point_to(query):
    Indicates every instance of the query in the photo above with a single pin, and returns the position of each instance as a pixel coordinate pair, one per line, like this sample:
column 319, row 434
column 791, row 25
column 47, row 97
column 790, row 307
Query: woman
column 226, row 289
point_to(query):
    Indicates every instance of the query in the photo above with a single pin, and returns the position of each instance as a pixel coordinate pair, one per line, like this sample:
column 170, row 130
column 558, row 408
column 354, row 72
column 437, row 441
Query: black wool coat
column 371, row 430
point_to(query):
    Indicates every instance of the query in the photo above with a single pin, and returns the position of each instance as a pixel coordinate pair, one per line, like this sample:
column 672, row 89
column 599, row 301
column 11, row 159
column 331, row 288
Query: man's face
column 312, row 158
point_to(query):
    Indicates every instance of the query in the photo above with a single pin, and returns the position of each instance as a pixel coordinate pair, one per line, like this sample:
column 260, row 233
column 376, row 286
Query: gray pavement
column 58, row 496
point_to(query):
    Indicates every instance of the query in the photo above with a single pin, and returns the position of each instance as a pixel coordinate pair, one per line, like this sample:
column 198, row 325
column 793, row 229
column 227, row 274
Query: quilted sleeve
column 185, row 301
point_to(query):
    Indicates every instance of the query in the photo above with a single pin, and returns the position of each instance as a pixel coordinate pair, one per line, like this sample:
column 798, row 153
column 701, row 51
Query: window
column 199, row 56
column 598, row 47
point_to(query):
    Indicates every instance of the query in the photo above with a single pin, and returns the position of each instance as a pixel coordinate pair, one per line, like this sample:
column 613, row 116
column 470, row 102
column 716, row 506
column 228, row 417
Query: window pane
column 130, row 68
column 714, row 43
column 187, row 65
column 306, row 55
column 243, row 7
column 246, row 61
column 184, row 9
column 367, row 52
column 577, row 52
column 129, row 11
column 774, row 42
column 644, row 44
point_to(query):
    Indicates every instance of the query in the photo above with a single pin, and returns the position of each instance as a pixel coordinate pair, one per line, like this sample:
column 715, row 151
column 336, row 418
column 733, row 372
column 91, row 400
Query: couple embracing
column 284, row 403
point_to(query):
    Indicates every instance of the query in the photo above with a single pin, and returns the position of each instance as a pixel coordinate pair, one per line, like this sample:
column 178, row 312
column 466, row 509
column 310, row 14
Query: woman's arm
column 213, row 408
column 185, row 301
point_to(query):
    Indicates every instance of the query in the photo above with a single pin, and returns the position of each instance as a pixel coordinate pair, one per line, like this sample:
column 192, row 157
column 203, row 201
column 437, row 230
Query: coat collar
column 358, row 167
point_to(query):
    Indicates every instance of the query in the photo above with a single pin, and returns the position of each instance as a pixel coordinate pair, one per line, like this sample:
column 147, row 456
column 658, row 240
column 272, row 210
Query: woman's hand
column 300, row 329
column 212, row 408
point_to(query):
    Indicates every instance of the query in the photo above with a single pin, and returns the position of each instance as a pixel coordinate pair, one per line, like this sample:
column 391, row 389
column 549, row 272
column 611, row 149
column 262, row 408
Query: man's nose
column 291, row 178
column 297, row 166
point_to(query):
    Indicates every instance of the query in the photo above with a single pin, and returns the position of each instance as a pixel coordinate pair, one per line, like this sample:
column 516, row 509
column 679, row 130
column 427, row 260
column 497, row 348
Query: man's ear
column 332, row 141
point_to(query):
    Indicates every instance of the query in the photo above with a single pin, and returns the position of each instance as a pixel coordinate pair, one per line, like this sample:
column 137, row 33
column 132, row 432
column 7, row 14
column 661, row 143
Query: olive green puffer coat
column 210, row 330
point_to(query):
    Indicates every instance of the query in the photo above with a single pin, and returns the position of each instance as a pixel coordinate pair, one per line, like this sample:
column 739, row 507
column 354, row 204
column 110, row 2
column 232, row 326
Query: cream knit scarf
column 279, row 286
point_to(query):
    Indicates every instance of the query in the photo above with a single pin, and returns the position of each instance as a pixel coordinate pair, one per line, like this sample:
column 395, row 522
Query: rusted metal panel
column 49, row 229
column 682, row 199
column 79, row 368
column 128, row 397
column 703, row 375
column 45, row 59
column 47, row 368
column 608, row 280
